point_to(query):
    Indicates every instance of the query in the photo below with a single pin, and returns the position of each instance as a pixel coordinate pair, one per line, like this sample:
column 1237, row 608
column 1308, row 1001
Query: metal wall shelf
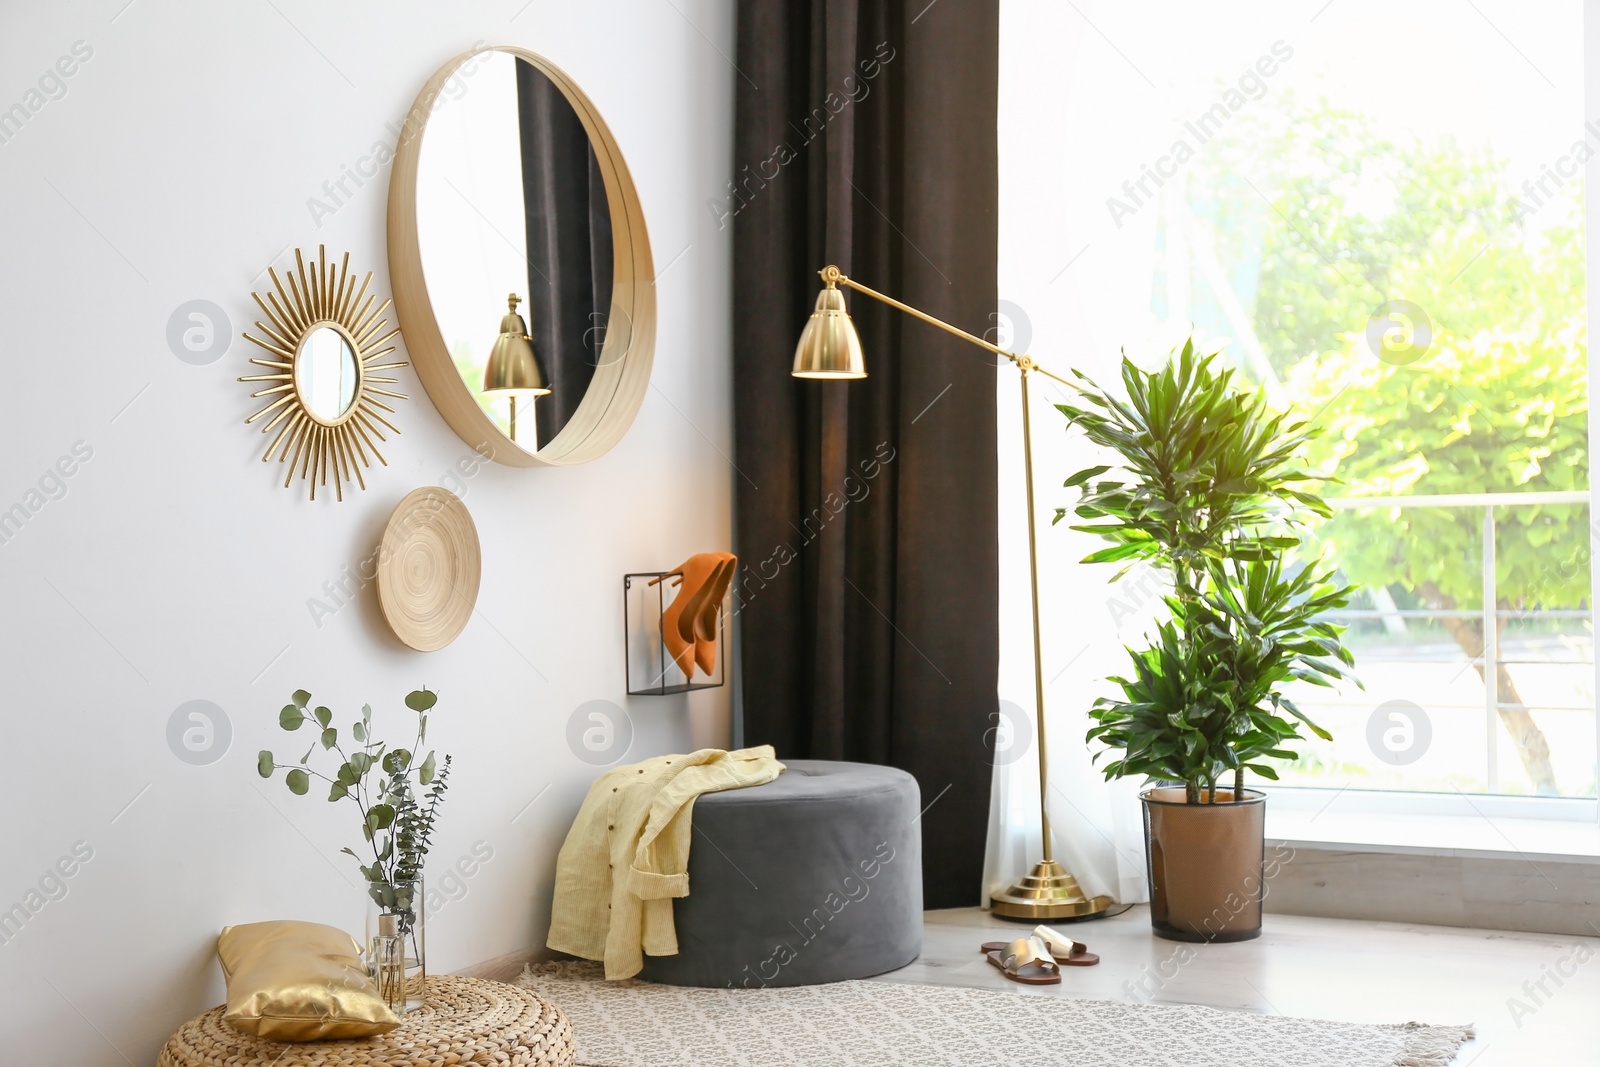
column 651, row 668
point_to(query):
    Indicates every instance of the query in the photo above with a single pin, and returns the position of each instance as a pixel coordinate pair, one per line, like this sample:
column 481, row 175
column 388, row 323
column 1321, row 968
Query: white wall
column 177, row 165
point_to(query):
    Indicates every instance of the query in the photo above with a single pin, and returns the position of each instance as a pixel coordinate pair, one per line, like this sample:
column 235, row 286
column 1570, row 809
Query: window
column 1378, row 209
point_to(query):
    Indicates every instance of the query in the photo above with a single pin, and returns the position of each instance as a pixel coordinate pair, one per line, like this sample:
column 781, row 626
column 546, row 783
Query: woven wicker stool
column 467, row 1021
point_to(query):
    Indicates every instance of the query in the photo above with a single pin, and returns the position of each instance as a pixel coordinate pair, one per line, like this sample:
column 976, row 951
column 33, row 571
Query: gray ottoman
column 816, row 877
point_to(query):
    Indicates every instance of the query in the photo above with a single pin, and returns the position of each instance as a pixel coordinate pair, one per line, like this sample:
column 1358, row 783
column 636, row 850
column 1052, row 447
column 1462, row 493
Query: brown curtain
column 866, row 510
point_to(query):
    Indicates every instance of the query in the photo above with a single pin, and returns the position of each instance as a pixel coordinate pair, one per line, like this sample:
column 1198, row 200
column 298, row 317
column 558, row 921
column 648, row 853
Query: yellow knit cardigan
column 636, row 821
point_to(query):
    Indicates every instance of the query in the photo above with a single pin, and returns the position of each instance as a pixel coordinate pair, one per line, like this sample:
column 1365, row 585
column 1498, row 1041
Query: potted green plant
column 1207, row 488
column 397, row 791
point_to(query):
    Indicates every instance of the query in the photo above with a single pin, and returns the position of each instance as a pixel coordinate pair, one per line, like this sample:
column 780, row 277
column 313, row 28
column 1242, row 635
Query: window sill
column 1454, row 825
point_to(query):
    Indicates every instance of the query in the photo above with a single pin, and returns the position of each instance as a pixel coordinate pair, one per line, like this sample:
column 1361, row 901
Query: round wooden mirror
column 521, row 266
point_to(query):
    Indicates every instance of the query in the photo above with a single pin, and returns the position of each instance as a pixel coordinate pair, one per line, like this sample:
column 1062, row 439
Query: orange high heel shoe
column 681, row 651
column 693, row 573
column 703, row 624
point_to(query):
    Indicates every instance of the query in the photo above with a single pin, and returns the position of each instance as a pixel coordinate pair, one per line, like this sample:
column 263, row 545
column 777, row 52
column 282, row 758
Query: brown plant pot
column 1205, row 864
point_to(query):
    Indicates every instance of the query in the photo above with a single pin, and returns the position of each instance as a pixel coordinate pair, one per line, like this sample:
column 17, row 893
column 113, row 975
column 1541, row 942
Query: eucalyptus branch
column 396, row 831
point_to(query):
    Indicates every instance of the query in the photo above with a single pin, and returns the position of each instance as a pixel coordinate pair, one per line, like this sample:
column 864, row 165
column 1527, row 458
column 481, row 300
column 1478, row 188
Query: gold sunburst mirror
column 324, row 339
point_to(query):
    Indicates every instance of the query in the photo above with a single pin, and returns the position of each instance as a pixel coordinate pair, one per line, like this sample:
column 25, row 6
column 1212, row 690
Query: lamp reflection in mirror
column 830, row 348
column 514, row 368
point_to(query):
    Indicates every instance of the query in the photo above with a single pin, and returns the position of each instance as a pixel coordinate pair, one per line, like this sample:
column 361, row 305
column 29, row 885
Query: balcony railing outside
column 1492, row 616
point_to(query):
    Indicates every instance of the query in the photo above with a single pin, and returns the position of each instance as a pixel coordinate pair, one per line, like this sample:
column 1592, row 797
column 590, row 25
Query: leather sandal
column 1025, row 960
column 1065, row 949
column 1062, row 949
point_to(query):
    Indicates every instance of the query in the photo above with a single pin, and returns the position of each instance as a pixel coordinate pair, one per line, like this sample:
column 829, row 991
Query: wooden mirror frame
column 628, row 350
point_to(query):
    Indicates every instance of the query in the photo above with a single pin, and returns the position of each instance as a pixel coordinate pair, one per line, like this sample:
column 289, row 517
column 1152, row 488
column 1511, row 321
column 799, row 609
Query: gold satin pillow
column 296, row 981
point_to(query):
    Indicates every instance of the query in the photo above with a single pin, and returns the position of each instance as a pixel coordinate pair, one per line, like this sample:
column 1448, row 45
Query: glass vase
column 397, row 910
column 386, row 962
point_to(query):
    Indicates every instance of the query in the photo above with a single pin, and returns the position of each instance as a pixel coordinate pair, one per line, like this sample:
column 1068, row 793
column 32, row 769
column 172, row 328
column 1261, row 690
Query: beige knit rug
column 868, row 1024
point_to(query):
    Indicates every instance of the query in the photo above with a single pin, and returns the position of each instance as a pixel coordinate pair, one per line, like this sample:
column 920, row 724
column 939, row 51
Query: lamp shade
column 513, row 366
column 829, row 347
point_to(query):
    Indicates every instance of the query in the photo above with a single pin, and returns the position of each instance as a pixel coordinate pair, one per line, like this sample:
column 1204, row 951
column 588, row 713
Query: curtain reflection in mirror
column 511, row 200
column 569, row 246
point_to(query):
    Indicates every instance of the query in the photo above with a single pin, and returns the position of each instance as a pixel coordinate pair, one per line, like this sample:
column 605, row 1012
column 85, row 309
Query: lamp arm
column 832, row 276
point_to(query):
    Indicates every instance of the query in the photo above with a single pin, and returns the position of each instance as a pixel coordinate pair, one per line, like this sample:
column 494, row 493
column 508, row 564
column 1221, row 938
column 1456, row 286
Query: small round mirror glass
column 326, row 374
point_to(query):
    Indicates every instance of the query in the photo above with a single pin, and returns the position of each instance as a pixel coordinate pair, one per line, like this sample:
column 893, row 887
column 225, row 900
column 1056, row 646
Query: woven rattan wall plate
column 428, row 568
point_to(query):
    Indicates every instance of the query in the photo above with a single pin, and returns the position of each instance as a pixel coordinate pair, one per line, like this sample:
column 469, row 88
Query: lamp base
column 1048, row 892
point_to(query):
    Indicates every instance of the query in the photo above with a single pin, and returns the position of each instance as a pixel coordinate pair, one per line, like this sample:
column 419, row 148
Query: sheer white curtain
column 1096, row 825
column 1085, row 623
column 1076, row 287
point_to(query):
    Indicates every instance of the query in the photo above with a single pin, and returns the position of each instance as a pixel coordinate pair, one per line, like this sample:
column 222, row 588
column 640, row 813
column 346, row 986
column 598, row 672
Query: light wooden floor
column 1321, row 968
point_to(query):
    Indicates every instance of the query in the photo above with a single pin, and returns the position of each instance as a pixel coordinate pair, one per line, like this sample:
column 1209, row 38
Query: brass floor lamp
column 830, row 348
